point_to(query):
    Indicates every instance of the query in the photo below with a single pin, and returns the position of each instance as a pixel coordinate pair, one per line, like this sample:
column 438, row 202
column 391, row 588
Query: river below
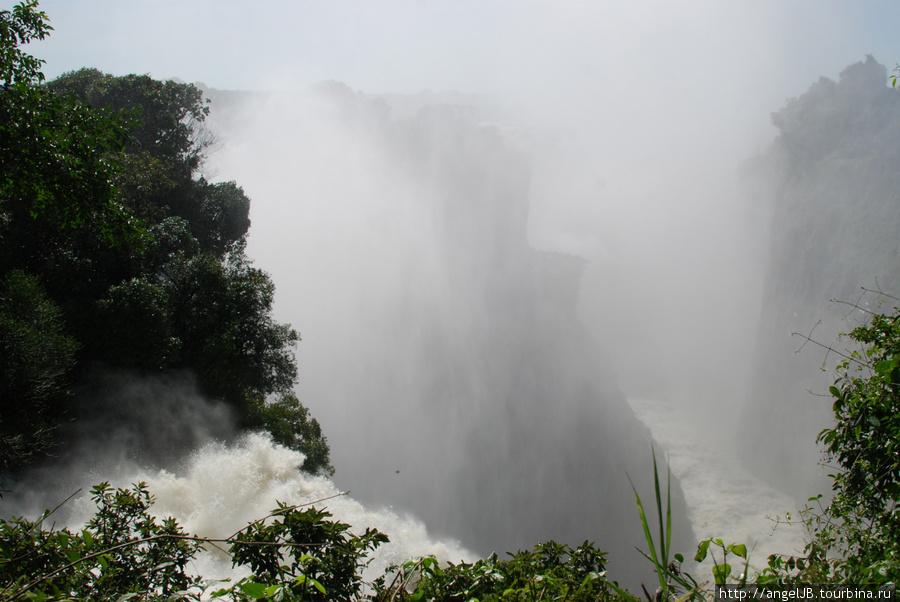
column 724, row 500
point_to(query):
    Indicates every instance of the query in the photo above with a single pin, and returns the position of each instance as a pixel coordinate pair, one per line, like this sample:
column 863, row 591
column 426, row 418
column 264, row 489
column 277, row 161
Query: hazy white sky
column 485, row 45
column 637, row 70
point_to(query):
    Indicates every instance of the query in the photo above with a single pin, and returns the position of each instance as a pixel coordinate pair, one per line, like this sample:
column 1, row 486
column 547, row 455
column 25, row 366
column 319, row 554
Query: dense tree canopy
column 116, row 253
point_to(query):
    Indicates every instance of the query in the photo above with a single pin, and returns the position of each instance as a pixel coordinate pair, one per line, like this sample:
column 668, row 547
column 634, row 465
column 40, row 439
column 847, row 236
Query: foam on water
column 221, row 488
column 724, row 500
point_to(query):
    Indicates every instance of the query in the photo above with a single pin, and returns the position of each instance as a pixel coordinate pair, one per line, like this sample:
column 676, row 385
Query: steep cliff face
column 834, row 175
column 451, row 373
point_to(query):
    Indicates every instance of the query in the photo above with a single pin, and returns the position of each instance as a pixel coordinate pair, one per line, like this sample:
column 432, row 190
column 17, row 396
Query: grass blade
column 660, row 570
column 647, row 536
column 668, row 514
column 663, row 556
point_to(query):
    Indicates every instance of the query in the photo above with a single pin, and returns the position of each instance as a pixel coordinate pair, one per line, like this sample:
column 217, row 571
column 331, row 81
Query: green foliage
column 189, row 299
column 122, row 553
column 551, row 571
column 672, row 581
column 866, row 439
column 35, row 371
column 302, row 555
column 222, row 314
column 136, row 331
column 856, row 536
column 56, row 170
column 723, row 572
column 140, row 554
column 295, row 553
column 125, row 553
column 23, row 24
column 165, row 115
column 55, row 188
column 102, row 205
column 862, row 522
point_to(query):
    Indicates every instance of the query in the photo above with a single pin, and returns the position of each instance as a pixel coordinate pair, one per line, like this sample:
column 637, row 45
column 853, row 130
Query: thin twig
column 161, row 536
column 41, row 520
column 202, row 540
column 36, row 524
column 880, row 292
column 809, row 339
column 285, row 509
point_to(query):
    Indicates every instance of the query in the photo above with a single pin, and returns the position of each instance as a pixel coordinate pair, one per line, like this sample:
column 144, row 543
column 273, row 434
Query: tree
column 21, row 25
column 54, row 186
column 56, row 163
column 103, row 208
column 34, row 374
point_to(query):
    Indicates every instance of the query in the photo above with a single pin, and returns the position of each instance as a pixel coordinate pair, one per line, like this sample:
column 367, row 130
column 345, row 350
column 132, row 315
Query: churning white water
column 220, row 489
column 724, row 501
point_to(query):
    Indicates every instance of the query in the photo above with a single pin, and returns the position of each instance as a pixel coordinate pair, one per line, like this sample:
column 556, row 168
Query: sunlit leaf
column 253, row 589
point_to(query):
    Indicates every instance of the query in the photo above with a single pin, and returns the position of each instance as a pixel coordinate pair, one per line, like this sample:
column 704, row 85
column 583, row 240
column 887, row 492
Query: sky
column 637, row 70
column 473, row 46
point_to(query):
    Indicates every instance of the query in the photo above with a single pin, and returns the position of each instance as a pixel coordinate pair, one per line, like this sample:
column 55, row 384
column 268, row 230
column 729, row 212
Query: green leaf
column 738, row 549
column 702, row 550
column 88, row 539
column 646, row 526
column 624, row 594
column 253, row 589
column 721, row 573
column 318, row 586
column 886, row 366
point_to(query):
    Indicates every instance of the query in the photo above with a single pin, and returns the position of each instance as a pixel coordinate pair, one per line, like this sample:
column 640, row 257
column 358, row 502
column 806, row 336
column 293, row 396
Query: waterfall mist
column 495, row 223
column 443, row 353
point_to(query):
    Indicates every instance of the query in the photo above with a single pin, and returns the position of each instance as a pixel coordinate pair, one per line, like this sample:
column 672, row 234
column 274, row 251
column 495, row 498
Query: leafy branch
column 125, row 550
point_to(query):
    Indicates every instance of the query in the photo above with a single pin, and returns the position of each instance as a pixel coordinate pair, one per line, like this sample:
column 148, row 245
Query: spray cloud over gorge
column 450, row 358
column 483, row 277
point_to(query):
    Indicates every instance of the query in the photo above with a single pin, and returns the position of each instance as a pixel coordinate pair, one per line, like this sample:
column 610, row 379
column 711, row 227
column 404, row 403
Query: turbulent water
column 219, row 489
column 724, row 500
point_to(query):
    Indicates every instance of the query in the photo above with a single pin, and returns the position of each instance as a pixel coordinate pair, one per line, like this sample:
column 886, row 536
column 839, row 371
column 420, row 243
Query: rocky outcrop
column 836, row 188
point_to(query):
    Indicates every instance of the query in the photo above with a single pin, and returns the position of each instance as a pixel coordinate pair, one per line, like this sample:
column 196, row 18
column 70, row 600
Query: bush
column 125, row 553
column 856, row 537
column 551, row 571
